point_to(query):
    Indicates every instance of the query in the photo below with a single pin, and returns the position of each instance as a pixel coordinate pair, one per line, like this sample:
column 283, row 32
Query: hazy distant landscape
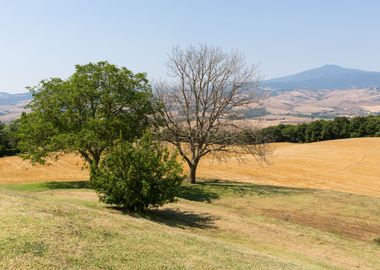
column 313, row 96
column 325, row 92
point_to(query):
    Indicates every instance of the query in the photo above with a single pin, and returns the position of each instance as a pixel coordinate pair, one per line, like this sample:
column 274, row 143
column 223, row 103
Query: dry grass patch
column 40, row 231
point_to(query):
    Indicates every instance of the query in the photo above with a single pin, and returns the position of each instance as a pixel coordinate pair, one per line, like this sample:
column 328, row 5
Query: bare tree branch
column 198, row 106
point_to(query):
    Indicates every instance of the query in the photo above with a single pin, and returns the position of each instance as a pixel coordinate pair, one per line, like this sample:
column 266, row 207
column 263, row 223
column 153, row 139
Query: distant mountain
column 326, row 77
column 12, row 99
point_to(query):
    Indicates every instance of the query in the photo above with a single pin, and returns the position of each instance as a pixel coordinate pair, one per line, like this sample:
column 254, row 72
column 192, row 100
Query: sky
column 40, row 39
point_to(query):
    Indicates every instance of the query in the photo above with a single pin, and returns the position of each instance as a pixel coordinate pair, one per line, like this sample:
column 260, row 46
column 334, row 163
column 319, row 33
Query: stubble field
column 350, row 165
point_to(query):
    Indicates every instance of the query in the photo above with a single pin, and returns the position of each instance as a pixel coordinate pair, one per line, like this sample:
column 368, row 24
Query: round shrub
column 138, row 175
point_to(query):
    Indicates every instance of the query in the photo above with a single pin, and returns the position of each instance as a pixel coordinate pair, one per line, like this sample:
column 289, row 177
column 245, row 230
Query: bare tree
column 199, row 106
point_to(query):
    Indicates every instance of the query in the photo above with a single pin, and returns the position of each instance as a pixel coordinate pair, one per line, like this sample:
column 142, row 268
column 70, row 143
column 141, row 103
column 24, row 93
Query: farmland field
column 316, row 206
column 350, row 165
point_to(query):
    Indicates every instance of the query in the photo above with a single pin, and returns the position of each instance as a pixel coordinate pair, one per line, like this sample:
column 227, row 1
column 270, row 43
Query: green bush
column 138, row 175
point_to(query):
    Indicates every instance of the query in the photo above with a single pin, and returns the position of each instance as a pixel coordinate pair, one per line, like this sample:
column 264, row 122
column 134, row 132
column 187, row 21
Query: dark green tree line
column 8, row 138
column 321, row 130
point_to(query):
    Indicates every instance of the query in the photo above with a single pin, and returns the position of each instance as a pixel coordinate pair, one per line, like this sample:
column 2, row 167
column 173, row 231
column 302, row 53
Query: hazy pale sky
column 42, row 39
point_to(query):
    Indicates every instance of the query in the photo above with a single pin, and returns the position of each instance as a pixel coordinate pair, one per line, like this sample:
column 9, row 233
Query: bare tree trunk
column 193, row 173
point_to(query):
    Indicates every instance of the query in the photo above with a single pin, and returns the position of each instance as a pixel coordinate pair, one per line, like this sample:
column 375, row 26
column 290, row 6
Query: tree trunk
column 193, row 172
column 96, row 161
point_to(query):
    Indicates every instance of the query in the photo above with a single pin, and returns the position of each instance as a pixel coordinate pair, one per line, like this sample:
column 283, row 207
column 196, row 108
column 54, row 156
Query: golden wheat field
column 350, row 165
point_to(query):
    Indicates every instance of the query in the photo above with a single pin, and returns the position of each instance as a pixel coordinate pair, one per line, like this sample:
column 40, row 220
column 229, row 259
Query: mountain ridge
column 326, row 77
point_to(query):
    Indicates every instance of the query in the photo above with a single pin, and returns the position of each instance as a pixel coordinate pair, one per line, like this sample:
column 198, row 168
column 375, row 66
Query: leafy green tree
column 342, row 129
column 273, row 133
column 339, row 128
column 293, row 133
column 3, row 141
column 137, row 175
column 85, row 113
column 357, row 127
column 372, row 126
column 313, row 132
column 11, row 136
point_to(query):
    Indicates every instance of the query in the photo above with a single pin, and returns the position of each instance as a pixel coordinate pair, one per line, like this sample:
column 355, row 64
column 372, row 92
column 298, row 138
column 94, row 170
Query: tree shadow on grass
column 45, row 186
column 180, row 218
column 206, row 191
column 68, row 185
column 198, row 193
column 174, row 217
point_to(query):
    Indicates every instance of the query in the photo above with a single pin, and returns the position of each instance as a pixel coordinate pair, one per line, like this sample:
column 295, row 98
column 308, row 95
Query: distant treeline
column 8, row 139
column 321, row 130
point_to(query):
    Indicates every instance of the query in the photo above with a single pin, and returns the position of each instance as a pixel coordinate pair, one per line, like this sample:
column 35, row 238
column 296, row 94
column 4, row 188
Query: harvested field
column 68, row 168
column 350, row 165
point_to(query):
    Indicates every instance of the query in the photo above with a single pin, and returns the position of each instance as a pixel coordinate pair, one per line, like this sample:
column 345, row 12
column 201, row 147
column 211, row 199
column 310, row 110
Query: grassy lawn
column 214, row 225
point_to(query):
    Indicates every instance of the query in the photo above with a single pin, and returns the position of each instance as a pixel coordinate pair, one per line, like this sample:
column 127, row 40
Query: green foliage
column 10, row 133
column 137, row 175
column 321, row 130
column 85, row 113
column 3, row 142
column 8, row 141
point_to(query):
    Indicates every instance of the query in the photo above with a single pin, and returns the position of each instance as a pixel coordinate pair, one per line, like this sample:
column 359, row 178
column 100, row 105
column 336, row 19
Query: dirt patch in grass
column 356, row 230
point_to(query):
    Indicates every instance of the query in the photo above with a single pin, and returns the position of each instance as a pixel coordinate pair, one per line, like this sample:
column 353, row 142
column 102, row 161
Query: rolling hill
column 12, row 99
column 12, row 105
column 321, row 93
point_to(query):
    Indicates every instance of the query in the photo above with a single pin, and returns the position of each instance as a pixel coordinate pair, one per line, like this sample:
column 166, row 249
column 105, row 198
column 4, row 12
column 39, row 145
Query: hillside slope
column 73, row 231
column 214, row 225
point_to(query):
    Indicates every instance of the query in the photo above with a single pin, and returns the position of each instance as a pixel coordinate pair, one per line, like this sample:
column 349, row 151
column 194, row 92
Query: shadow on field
column 179, row 218
column 68, row 185
column 198, row 193
column 173, row 217
column 207, row 191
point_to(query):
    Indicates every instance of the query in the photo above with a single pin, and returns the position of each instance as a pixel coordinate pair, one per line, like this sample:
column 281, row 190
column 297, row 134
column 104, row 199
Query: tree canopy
column 8, row 138
column 85, row 113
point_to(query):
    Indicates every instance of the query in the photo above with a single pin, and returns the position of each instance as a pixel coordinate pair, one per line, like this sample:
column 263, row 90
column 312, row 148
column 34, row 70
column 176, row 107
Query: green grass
column 214, row 225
